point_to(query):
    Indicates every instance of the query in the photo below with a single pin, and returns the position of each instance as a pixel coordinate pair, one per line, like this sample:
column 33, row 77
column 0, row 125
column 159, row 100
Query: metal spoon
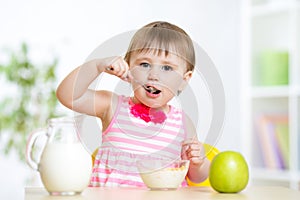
column 128, row 78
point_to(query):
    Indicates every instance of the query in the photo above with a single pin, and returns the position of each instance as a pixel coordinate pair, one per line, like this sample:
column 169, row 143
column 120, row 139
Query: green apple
column 229, row 172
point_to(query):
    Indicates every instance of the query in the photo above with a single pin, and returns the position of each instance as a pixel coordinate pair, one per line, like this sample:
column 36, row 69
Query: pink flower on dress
column 147, row 114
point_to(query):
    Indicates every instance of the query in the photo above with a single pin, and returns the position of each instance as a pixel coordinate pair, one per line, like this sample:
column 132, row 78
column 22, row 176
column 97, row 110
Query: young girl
column 159, row 62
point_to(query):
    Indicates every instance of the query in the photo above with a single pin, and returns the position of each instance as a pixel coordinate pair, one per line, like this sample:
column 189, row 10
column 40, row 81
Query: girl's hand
column 193, row 150
column 116, row 66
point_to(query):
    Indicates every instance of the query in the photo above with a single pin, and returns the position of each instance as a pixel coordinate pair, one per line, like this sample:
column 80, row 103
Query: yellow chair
column 94, row 154
column 211, row 152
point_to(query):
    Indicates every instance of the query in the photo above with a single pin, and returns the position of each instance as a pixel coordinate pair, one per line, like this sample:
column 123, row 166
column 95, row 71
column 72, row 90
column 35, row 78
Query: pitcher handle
column 29, row 146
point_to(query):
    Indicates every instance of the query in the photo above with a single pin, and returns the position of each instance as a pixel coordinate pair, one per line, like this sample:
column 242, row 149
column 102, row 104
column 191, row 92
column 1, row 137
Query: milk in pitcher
column 61, row 170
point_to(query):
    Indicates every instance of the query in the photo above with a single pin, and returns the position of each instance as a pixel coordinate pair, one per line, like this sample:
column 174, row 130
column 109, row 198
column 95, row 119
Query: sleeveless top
column 128, row 139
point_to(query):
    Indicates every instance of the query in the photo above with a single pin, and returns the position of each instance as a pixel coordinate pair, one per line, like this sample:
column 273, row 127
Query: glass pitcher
column 65, row 166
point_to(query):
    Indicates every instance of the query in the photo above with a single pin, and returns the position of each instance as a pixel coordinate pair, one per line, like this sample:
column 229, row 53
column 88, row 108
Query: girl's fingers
column 194, row 153
column 192, row 146
column 193, row 149
column 119, row 68
column 128, row 77
column 190, row 141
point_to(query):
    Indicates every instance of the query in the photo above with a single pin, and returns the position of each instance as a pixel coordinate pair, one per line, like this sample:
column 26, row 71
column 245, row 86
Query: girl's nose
column 153, row 73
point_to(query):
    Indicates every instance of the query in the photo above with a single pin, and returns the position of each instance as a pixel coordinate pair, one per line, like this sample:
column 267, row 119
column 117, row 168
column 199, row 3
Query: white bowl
column 163, row 174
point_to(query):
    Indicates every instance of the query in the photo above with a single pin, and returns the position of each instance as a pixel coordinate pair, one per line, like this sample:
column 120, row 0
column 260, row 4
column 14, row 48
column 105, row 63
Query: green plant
column 28, row 101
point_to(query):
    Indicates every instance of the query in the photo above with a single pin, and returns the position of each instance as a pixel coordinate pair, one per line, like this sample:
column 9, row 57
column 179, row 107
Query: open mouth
column 151, row 89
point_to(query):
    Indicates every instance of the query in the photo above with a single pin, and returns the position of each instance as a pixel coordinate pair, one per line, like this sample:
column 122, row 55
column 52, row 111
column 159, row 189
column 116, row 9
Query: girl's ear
column 186, row 77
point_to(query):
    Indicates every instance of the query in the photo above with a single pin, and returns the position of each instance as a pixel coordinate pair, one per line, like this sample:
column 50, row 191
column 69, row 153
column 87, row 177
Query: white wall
column 72, row 29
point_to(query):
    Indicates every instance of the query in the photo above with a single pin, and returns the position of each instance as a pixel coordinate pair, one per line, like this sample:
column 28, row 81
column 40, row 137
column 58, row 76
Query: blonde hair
column 162, row 37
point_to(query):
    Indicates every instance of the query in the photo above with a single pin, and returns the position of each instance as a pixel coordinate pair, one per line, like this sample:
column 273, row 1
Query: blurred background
column 254, row 45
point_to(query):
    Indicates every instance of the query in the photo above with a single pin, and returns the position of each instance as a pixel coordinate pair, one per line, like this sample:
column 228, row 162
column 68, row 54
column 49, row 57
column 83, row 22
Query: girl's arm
column 193, row 150
column 73, row 91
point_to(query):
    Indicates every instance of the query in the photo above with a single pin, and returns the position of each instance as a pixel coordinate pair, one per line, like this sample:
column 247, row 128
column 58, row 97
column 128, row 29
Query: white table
column 199, row 193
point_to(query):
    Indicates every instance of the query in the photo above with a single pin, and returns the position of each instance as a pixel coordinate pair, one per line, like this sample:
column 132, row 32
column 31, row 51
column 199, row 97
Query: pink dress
column 128, row 139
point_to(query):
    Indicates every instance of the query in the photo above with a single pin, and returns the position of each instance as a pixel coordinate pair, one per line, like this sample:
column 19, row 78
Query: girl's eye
column 145, row 65
column 166, row 68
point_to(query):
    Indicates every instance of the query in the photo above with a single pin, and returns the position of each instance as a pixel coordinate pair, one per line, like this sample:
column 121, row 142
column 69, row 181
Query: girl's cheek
column 172, row 85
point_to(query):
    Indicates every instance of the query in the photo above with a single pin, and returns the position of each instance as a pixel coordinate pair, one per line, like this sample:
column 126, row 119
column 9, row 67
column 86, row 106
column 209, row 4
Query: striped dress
column 128, row 139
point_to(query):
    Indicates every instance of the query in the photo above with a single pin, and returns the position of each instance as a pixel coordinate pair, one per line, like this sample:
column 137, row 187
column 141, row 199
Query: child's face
column 157, row 78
